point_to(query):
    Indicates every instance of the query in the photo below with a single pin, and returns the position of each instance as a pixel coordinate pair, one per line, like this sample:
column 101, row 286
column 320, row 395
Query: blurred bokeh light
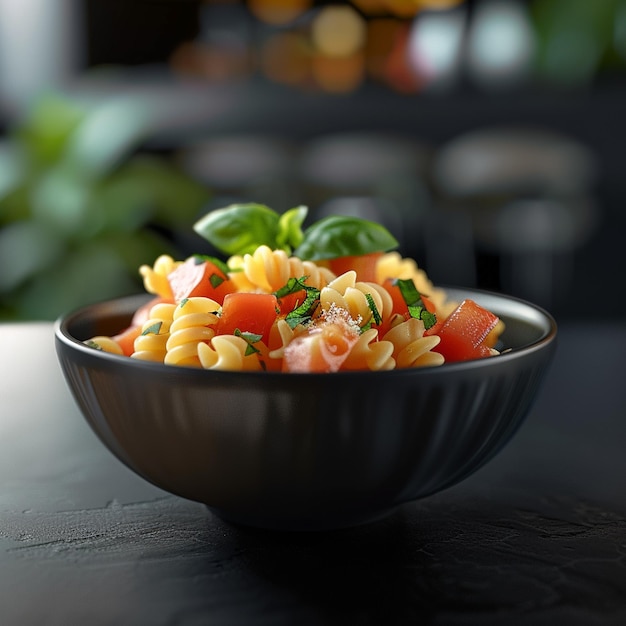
column 122, row 122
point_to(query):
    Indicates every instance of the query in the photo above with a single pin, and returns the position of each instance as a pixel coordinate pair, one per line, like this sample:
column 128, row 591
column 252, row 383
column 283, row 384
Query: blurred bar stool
column 528, row 197
column 376, row 176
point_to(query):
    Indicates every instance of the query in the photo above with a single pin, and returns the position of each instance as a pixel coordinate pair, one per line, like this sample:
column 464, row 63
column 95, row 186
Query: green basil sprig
column 338, row 236
column 241, row 228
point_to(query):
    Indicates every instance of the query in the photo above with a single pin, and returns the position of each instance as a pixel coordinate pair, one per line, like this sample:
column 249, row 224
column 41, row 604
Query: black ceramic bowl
column 305, row 451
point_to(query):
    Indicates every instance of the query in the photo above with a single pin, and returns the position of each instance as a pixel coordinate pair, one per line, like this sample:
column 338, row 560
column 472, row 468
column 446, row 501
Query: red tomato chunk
column 363, row 264
column 199, row 278
column 249, row 313
column 464, row 332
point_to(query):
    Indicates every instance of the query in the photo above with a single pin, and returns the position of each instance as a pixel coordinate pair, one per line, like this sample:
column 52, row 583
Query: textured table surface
column 538, row 536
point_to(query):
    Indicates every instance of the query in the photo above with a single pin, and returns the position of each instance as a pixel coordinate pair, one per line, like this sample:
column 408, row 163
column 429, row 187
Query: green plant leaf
column 46, row 128
column 26, row 249
column 239, row 228
column 108, row 134
column 290, row 233
column 339, row 236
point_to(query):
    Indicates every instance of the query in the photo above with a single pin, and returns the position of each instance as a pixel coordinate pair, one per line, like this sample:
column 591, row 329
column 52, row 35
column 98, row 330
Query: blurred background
column 487, row 135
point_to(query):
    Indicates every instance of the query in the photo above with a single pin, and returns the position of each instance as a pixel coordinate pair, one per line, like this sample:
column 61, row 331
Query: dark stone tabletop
column 538, row 536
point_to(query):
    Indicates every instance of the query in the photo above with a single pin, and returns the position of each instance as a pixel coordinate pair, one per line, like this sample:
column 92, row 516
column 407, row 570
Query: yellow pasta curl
column 151, row 344
column 345, row 292
column 318, row 276
column 411, row 347
column 368, row 353
column 237, row 275
column 286, row 334
column 106, row 344
column 267, row 270
column 227, row 352
column 193, row 323
column 155, row 278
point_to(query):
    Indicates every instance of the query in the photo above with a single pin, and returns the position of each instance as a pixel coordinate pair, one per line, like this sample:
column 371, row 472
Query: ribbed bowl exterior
column 305, row 451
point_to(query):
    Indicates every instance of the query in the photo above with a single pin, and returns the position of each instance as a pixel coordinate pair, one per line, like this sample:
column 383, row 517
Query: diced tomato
column 199, row 277
column 464, row 332
column 126, row 339
column 364, row 265
column 249, row 313
column 323, row 350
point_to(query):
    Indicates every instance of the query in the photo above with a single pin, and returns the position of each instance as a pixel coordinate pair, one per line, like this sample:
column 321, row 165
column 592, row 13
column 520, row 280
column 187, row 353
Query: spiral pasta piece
column 411, row 347
column 155, row 278
column 345, row 292
column 368, row 353
column 267, row 270
column 237, row 275
column 318, row 276
column 106, row 344
column 285, row 335
column 155, row 331
column 381, row 297
column 227, row 352
column 193, row 323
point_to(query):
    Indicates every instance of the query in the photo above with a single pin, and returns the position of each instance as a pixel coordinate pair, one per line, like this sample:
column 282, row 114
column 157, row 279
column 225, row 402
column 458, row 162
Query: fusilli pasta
column 336, row 323
column 155, row 277
column 192, row 324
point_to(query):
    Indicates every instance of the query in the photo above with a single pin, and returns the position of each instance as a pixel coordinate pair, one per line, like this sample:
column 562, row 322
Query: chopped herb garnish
column 93, row 344
column 422, row 313
column 303, row 313
column 414, row 302
column 376, row 317
column 250, row 338
column 216, row 280
column 293, row 285
column 153, row 329
column 183, row 302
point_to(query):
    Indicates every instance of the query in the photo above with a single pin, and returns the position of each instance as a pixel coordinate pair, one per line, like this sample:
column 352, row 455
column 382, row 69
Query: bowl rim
column 526, row 311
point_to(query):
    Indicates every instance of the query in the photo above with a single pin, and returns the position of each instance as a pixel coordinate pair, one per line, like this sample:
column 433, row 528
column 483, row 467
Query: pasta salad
column 333, row 297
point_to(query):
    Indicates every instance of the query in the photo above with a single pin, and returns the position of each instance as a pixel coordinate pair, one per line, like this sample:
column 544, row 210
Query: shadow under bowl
column 305, row 451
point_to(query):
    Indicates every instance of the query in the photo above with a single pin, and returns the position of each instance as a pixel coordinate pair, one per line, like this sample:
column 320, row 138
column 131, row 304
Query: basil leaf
column 339, row 236
column 414, row 302
column 376, row 317
column 239, row 228
column 250, row 339
column 429, row 319
column 290, row 234
column 293, row 285
column 409, row 292
column 216, row 280
column 303, row 314
column 153, row 329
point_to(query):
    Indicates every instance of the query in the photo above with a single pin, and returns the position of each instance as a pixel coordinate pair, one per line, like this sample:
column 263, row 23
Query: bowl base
column 303, row 524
